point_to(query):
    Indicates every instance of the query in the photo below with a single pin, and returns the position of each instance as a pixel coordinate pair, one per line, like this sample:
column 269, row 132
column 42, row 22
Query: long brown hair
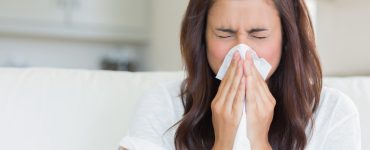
column 296, row 84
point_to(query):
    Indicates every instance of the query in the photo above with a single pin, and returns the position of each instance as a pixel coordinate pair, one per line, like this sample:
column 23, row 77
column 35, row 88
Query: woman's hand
column 227, row 106
column 260, row 106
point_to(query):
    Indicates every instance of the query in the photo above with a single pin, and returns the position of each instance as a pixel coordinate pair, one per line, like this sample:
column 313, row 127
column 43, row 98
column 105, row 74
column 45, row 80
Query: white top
column 336, row 126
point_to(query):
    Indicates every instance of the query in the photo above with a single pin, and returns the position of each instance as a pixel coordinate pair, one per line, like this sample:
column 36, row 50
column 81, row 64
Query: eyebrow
column 253, row 30
column 226, row 30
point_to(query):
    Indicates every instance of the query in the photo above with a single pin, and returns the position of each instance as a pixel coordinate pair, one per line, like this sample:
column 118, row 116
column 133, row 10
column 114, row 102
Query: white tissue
column 241, row 141
column 261, row 64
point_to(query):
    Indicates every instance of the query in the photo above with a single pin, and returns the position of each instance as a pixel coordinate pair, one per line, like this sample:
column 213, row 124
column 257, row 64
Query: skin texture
column 257, row 24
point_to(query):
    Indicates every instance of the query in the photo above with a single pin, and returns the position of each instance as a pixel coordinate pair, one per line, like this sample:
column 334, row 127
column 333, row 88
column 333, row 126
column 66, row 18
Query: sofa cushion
column 59, row 109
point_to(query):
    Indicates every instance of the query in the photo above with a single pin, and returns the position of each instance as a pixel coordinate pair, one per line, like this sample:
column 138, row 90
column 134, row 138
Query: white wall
column 343, row 36
column 77, row 38
column 161, row 53
column 42, row 52
column 342, row 26
column 164, row 48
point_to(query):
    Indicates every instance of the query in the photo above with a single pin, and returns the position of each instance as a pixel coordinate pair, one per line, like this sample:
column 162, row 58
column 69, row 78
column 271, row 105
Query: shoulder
column 164, row 93
column 171, row 88
column 158, row 109
column 162, row 98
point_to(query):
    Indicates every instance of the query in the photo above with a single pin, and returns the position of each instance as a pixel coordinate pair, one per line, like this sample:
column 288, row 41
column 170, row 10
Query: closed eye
column 223, row 37
column 224, row 32
column 259, row 37
column 258, row 33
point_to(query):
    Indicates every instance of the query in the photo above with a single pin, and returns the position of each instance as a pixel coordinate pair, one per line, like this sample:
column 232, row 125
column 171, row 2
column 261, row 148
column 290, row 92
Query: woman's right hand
column 227, row 106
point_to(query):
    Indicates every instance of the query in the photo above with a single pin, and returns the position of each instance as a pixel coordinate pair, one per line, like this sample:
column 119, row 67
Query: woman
column 290, row 110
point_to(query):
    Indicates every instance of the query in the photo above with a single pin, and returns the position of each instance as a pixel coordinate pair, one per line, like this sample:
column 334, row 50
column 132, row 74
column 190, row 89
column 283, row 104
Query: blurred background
column 143, row 35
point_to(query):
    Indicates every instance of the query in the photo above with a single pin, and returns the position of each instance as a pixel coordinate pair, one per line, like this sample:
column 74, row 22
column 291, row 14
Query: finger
column 223, row 82
column 261, row 99
column 267, row 96
column 240, row 97
column 254, row 69
column 260, row 84
column 250, row 67
column 253, row 98
column 235, row 86
column 230, row 74
column 246, row 68
column 250, row 97
column 250, row 64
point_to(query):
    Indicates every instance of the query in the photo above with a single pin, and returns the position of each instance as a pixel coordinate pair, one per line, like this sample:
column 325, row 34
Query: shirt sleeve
column 150, row 122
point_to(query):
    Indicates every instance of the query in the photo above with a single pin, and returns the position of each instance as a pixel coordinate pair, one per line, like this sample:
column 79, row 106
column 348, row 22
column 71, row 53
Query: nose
column 243, row 39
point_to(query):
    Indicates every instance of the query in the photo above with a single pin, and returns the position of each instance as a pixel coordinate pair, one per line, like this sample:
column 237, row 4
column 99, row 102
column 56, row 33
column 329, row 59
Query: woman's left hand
column 260, row 106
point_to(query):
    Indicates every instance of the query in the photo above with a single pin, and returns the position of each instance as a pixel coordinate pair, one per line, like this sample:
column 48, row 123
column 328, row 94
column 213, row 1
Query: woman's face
column 252, row 22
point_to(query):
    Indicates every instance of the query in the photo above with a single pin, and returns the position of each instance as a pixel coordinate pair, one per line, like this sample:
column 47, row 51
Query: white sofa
column 63, row 109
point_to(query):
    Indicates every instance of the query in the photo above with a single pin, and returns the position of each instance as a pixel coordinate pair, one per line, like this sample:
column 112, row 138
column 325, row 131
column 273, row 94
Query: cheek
column 272, row 53
column 216, row 51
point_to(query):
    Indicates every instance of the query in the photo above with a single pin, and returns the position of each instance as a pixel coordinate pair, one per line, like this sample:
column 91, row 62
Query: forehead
column 243, row 3
column 238, row 12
